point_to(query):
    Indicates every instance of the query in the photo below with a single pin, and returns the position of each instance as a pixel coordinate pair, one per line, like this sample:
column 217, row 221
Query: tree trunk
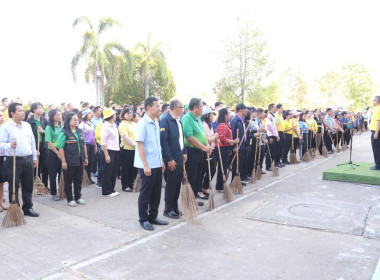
column 146, row 84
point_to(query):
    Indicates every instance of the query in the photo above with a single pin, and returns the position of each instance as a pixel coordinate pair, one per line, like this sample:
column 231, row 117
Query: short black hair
column 12, row 108
column 149, row 102
column 96, row 108
column 218, row 103
column 34, row 106
column 279, row 105
column 125, row 110
column 194, row 102
column 164, row 106
column 85, row 104
column 259, row 110
column 270, row 106
column 328, row 110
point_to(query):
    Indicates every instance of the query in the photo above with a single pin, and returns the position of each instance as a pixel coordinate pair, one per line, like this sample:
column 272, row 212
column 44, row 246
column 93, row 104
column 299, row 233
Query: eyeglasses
column 180, row 107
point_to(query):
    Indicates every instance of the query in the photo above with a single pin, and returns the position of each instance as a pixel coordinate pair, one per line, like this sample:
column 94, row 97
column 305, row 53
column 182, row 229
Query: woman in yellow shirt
column 127, row 149
column 288, row 131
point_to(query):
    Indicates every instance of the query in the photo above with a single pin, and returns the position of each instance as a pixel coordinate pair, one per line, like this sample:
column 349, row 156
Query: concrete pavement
column 295, row 226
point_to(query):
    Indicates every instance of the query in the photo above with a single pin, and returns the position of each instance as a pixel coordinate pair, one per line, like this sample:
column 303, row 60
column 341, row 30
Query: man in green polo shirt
column 197, row 147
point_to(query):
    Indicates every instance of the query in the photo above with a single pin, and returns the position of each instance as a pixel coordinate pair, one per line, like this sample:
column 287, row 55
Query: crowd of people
column 154, row 141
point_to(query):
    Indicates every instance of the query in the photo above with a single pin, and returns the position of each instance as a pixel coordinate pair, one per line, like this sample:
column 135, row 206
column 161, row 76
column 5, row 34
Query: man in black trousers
column 375, row 128
column 16, row 134
column 38, row 124
column 174, row 154
column 148, row 160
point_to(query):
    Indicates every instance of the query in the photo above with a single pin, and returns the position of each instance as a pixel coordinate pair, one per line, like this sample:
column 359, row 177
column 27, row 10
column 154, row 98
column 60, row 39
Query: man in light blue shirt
column 17, row 134
column 148, row 160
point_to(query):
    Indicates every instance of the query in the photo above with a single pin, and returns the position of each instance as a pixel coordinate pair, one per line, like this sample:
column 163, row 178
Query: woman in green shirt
column 52, row 131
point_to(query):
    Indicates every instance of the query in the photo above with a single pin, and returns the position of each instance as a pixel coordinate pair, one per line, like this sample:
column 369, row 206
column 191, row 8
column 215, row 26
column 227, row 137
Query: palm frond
column 74, row 64
column 116, row 46
column 82, row 19
column 88, row 41
column 107, row 22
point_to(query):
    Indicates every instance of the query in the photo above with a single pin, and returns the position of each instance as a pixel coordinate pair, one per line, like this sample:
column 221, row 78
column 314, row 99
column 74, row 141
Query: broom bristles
column 236, row 186
column 310, row 153
column 253, row 177
column 293, row 157
column 189, row 205
column 325, row 153
column 85, row 179
column 344, row 147
column 211, row 204
column 306, row 157
column 259, row 175
column 137, row 185
column 227, row 193
column 61, row 187
column 14, row 216
column 275, row 171
column 39, row 188
column 337, row 148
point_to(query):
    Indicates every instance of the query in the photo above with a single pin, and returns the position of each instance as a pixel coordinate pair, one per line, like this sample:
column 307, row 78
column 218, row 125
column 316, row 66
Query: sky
column 38, row 41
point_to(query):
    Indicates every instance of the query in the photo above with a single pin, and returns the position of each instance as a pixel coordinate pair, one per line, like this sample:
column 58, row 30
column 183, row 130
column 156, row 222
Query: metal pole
column 97, row 85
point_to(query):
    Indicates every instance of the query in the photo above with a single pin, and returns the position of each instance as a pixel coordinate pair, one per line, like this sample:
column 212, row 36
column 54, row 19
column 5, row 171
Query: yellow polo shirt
column 127, row 128
column 296, row 124
column 288, row 125
column 375, row 118
column 281, row 124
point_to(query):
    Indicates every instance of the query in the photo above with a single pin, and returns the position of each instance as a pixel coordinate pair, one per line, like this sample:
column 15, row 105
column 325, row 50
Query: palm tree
column 151, row 56
column 100, row 59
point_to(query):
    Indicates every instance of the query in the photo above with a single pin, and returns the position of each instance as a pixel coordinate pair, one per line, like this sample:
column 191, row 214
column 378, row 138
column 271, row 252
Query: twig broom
column 227, row 193
column 14, row 216
column 137, row 184
column 211, row 204
column 274, row 168
column 189, row 205
column 39, row 188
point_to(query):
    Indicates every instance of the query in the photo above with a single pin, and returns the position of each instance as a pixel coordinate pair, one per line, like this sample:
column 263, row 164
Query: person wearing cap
column 89, row 135
column 186, row 110
column 212, row 139
column 174, row 154
column 238, row 123
column 148, row 160
column 281, row 134
column 109, row 139
column 73, row 153
column 273, row 137
column 197, row 146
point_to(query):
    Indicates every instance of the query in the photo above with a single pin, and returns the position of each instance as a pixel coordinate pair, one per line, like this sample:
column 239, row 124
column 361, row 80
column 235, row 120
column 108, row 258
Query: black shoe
column 99, row 184
column 375, row 168
column 159, row 222
column 331, row 152
column 31, row 213
column 247, row 179
column 146, row 225
column 179, row 213
column 127, row 190
column 171, row 214
column 200, row 203
column 279, row 165
column 205, row 193
column 202, row 197
column 91, row 182
column 269, row 169
column 243, row 184
column 286, row 162
column 263, row 172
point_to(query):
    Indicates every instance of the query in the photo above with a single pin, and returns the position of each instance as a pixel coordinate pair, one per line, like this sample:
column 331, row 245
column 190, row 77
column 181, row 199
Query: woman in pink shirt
column 212, row 139
column 109, row 139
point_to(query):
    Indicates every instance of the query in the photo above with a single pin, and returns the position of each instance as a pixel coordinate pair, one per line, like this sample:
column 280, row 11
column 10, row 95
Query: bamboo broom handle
column 14, row 176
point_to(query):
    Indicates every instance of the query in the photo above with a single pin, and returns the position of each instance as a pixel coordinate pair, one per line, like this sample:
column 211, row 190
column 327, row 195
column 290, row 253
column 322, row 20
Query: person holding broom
column 89, row 136
column 197, row 147
column 52, row 131
column 38, row 124
column 174, row 154
column 73, row 153
column 273, row 137
column 148, row 160
column 17, row 134
column 288, row 131
column 225, row 144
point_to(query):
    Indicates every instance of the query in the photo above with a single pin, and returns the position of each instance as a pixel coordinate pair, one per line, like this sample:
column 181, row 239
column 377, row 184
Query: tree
column 245, row 65
column 292, row 89
column 153, row 63
column 101, row 59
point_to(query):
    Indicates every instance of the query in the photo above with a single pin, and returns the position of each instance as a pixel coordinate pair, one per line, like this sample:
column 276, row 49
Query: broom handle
column 221, row 163
column 209, row 172
column 14, row 176
column 241, row 140
column 270, row 156
column 237, row 156
column 255, row 162
column 38, row 149
column 259, row 150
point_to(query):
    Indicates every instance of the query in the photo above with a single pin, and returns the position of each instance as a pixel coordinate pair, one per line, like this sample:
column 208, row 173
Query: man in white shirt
column 17, row 134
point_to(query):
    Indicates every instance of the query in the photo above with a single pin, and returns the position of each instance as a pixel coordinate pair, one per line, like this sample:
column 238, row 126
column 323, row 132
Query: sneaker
column 116, row 193
column 80, row 201
column 55, row 198
column 112, row 194
column 99, row 185
column 72, row 203
column 94, row 174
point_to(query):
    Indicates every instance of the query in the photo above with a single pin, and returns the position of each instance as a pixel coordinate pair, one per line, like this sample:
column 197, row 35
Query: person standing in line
column 38, row 124
column 148, row 160
column 226, row 142
column 304, row 129
column 52, row 131
column 212, row 139
column 17, row 134
column 273, row 137
column 280, row 129
column 174, row 154
column 375, row 128
column 96, row 119
column 262, row 138
column 73, row 153
column 288, row 131
column 109, row 138
column 197, row 146
column 329, row 122
column 88, row 130
column 127, row 130
column 2, row 169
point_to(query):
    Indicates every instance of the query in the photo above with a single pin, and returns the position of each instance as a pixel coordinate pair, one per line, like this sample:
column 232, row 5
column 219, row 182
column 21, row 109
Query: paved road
column 295, row 226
